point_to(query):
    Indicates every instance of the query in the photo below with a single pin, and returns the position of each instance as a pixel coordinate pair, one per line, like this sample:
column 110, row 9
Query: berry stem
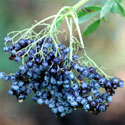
column 56, row 17
column 96, row 66
column 83, row 47
column 69, row 24
column 71, row 47
column 78, row 29
column 79, row 4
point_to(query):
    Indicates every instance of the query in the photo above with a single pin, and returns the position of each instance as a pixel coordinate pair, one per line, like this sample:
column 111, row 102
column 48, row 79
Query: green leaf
column 114, row 8
column 81, row 13
column 91, row 28
column 119, row 1
column 106, row 8
column 104, row 19
column 88, row 9
column 87, row 13
column 93, row 8
column 120, row 9
column 87, row 17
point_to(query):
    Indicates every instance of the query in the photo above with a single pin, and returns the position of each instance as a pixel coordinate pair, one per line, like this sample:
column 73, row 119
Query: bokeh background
column 106, row 46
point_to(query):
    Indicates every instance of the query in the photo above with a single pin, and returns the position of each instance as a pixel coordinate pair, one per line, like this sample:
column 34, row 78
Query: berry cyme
column 58, row 82
column 55, row 73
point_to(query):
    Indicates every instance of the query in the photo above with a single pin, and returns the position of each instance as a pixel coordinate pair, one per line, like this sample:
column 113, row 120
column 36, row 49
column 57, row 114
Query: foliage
column 99, row 13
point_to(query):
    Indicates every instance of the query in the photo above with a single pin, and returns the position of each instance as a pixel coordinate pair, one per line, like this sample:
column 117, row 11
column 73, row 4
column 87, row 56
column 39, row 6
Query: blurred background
column 106, row 47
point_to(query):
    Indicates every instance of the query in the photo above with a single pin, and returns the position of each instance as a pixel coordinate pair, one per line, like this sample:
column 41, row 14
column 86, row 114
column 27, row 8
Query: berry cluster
column 57, row 81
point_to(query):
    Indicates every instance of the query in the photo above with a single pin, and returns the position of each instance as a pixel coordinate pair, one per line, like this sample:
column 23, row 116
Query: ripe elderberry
column 52, row 77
